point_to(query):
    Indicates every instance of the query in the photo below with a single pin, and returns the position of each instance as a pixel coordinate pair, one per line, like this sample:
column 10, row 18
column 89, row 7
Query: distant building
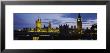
column 49, row 27
column 94, row 28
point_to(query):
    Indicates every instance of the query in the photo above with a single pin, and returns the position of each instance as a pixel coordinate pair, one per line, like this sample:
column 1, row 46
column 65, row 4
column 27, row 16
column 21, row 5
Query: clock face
column 78, row 19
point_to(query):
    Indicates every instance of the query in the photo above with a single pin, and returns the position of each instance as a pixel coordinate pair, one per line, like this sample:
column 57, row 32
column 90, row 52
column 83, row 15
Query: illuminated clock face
column 78, row 19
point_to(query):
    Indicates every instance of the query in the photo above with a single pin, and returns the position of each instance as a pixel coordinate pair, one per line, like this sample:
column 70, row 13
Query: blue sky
column 22, row 20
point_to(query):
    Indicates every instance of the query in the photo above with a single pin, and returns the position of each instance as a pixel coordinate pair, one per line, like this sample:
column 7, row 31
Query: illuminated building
column 38, row 25
column 39, row 28
column 79, row 24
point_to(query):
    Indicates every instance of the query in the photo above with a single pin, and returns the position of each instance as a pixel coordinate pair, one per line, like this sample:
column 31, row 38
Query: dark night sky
column 22, row 20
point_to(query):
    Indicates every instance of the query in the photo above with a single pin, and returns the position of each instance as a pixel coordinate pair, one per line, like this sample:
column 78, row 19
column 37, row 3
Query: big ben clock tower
column 79, row 24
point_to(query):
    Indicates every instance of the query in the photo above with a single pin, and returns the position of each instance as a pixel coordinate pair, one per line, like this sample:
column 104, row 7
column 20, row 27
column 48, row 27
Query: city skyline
column 23, row 20
column 55, row 26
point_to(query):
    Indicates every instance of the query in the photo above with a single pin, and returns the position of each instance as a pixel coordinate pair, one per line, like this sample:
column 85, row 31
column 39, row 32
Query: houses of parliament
column 49, row 28
column 63, row 32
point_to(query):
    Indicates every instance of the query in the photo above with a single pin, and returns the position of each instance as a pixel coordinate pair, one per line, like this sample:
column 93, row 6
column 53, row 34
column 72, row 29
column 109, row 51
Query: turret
column 38, row 25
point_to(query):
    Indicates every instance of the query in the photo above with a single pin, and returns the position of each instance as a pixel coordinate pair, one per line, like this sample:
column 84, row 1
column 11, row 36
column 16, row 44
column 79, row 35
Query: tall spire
column 79, row 16
column 49, row 24
column 39, row 18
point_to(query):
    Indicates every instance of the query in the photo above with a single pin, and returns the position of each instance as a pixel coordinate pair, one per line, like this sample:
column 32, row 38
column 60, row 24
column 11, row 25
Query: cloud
column 62, row 21
column 56, row 19
column 59, row 20
column 89, row 23
column 70, row 15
